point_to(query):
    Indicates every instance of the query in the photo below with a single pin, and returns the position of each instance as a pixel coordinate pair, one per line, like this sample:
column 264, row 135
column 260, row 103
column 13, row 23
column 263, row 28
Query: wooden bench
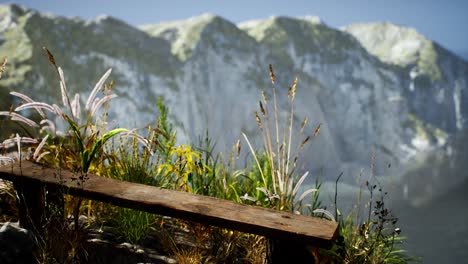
column 290, row 231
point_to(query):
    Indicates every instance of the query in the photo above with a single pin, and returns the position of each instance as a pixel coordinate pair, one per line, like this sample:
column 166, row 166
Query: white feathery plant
column 84, row 134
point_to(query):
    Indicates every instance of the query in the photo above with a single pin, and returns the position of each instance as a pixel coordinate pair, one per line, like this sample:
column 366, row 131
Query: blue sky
column 444, row 21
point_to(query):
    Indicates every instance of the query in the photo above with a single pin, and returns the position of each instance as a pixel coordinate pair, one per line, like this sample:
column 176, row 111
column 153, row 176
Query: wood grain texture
column 250, row 219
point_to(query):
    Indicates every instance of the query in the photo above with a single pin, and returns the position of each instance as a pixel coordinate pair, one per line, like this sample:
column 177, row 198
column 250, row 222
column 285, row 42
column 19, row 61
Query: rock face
column 378, row 89
column 432, row 68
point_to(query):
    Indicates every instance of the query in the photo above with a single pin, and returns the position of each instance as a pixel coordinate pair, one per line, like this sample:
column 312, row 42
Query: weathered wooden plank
column 250, row 219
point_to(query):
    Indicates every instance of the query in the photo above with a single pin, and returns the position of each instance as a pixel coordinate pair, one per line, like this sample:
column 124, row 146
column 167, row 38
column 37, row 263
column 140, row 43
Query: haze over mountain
column 379, row 90
column 464, row 55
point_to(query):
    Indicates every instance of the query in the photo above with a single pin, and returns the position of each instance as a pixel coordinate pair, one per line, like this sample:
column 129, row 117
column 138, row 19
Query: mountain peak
column 390, row 42
column 278, row 19
column 399, row 45
column 186, row 35
column 284, row 25
column 259, row 29
column 102, row 18
column 105, row 20
column 301, row 36
column 15, row 11
column 159, row 28
column 312, row 19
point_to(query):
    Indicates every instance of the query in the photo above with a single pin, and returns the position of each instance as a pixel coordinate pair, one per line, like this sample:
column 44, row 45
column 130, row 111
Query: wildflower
column 49, row 125
column 28, row 100
column 305, row 193
column 100, row 102
column 299, row 183
column 96, row 89
column 140, row 139
column 63, row 88
column 2, row 66
column 75, row 106
column 36, row 105
column 12, row 141
column 247, row 197
column 38, row 149
column 42, row 155
column 6, row 159
column 20, row 118
column 325, row 212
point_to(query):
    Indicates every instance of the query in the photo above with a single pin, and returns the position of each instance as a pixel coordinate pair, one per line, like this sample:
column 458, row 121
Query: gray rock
column 17, row 244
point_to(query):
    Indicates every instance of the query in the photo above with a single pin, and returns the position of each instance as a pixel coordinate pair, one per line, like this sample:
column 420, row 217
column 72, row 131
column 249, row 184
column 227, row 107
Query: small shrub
column 133, row 225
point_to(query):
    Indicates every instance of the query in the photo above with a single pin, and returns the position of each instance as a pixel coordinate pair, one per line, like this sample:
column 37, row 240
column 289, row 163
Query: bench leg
column 281, row 251
column 30, row 202
column 39, row 206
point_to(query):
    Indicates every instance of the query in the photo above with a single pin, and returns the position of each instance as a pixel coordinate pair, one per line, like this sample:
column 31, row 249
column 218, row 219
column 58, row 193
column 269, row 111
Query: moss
column 400, row 46
column 305, row 37
column 416, row 125
column 208, row 31
column 112, row 38
column 17, row 48
column 183, row 49
column 427, row 63
column 424, row 130
column 223, row 37
column 17, row 45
